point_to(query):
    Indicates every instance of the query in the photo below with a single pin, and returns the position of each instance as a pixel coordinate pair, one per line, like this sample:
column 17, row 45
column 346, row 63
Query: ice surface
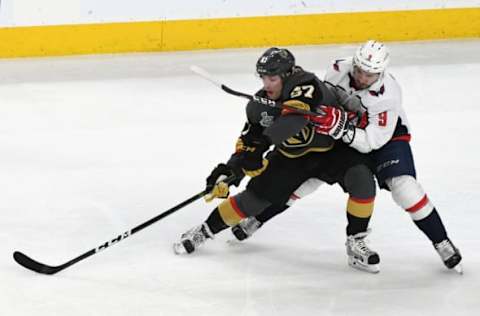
column 93, row 146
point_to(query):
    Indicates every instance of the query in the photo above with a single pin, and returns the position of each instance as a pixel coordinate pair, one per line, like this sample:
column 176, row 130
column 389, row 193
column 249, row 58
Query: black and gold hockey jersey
column 293, row 134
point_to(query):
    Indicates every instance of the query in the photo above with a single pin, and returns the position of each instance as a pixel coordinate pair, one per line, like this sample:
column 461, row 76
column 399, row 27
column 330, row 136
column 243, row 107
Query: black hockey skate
column 192, row 239
column 450, row 255
column 246, row 228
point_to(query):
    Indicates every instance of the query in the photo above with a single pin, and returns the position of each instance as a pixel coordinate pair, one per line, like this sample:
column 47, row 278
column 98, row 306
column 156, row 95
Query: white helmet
column 372, row 57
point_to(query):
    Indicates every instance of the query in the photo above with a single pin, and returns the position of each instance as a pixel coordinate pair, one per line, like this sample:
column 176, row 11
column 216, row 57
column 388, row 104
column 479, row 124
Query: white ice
column 93, row 146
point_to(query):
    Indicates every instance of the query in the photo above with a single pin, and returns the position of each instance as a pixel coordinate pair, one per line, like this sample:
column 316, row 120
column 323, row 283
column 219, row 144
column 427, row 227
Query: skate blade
column 458, row 268
column 178, row 248
column 371, row 268
column 234, row 242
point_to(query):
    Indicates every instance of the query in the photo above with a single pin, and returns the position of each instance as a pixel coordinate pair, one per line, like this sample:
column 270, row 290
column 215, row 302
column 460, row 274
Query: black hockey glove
column 223, row 170
column 216, row 185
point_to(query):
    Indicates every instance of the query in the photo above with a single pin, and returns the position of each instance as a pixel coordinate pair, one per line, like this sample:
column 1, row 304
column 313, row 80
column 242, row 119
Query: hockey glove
column 216, row 187
column 220, row 190
column 333, row 122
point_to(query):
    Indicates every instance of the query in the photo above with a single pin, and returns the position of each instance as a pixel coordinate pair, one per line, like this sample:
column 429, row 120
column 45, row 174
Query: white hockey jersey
column 380, row 104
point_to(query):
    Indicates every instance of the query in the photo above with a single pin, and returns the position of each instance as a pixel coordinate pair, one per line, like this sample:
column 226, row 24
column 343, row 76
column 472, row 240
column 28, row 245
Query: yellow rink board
column 172, row 35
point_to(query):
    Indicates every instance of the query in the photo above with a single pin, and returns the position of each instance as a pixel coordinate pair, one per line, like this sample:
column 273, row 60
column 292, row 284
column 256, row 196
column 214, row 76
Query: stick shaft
column 36, row 266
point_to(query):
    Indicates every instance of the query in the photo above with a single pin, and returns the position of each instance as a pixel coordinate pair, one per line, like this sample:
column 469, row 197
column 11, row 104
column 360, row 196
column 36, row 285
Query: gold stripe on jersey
column 257, row 172
column 306, row 151
column 230, row 212
column 240, row 146
column 360, row 208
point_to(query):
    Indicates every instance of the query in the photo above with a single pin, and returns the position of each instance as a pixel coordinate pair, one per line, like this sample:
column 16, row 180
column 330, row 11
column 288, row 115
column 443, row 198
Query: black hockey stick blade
column 33, row 265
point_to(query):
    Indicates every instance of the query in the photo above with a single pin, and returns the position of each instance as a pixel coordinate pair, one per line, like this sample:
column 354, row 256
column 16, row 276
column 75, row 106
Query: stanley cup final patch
column 266, row 120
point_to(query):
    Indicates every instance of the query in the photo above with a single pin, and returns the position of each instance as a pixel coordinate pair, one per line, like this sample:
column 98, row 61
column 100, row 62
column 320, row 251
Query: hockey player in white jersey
column 364, row 87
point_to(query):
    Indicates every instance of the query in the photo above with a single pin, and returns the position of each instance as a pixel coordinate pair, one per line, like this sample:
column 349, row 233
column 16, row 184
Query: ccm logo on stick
column 114, row 240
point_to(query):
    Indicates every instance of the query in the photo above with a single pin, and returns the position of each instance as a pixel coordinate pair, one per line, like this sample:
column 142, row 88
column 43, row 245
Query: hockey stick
column 264, row 101
column 39, row 267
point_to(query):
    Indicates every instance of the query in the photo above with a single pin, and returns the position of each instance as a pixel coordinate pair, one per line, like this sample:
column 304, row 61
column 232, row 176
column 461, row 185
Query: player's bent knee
column 229, row 212
column 410, row 196
column 360, row 183
column 240, row 206
column 250, row 203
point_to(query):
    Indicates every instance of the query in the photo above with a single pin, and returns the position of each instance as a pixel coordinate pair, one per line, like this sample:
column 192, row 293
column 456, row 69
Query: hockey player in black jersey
column 299, row 153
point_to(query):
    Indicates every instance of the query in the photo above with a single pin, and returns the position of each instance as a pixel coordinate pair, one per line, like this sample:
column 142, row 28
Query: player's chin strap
column 264, row 101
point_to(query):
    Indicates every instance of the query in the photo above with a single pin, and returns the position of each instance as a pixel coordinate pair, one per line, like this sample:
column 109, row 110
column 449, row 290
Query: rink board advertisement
column 55, row 27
